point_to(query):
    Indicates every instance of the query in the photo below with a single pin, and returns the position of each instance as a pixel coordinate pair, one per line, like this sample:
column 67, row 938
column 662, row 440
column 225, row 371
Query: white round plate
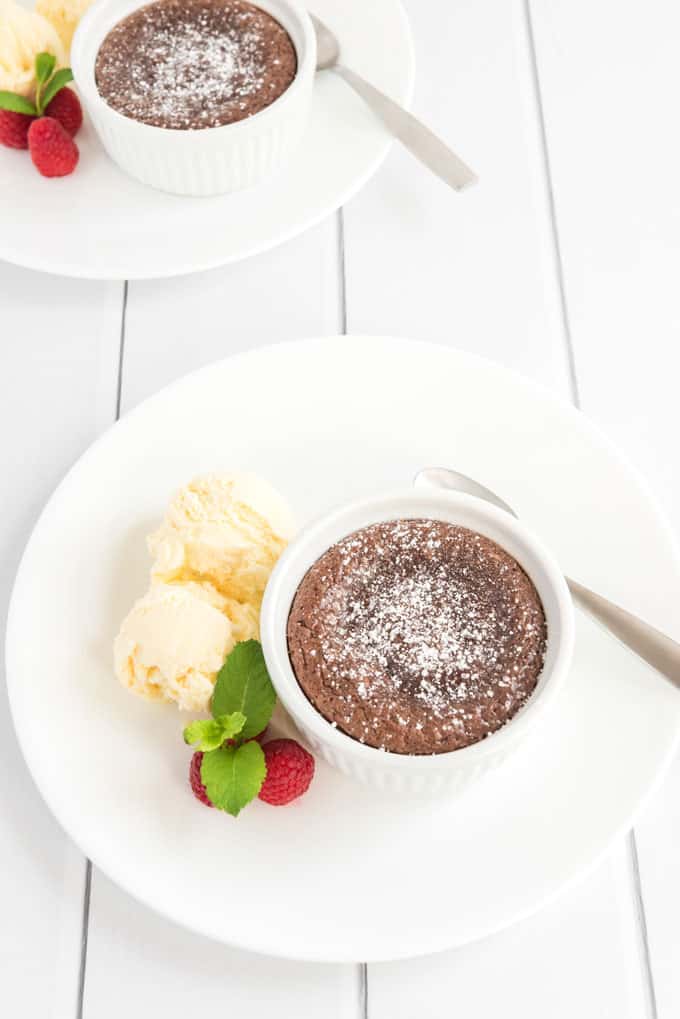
column 343, row 874
column 100, row 224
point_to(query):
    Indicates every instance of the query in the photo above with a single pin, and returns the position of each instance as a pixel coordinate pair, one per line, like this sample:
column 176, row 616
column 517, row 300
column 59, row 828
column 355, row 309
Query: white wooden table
column 562, row 264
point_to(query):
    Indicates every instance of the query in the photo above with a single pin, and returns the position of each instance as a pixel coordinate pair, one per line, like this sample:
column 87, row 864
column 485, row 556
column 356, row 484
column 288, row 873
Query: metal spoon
column 654, row 647
column 417, row 138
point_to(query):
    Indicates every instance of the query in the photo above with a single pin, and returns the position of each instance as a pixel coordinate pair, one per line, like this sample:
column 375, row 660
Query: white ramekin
column 419, row 775
column 212, row 160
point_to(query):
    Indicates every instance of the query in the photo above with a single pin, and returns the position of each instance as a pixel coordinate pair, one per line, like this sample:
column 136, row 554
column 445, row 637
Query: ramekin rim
column 272, row 634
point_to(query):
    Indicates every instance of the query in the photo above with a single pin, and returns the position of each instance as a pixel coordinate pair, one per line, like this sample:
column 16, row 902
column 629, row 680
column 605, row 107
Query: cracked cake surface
column 417, row 636
column 191, row 64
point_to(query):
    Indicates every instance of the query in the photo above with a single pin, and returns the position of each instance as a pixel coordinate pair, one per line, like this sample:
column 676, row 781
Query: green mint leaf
column 207, row 734
column 56, row 84
column 233, row 776
column 17, row 104
column 243, row 684
column 232, row 724
column 44, row 65
column 210, row 733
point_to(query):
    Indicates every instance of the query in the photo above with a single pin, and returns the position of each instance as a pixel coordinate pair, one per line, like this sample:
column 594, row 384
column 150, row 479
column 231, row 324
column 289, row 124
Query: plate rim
column 274, row 949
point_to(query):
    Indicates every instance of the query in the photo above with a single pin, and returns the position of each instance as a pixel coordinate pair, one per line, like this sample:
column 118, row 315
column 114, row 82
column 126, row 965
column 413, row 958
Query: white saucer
column 101, row 224
column 344, row 874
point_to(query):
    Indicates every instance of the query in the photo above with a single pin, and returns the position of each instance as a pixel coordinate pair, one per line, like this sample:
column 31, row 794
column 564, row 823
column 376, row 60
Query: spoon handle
column 417, row 138
column 654, row 647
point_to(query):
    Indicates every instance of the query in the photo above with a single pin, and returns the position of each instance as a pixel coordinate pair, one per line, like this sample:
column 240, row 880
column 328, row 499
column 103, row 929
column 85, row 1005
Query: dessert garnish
column 290, row 770
column 230, row 768
column 53, row 150
column 14, row 128
column 47, row 123
column 233, row 767
column 417, row 636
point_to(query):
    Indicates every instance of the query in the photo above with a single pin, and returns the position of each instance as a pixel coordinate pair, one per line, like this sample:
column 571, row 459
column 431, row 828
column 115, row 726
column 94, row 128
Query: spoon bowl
column 327, row 45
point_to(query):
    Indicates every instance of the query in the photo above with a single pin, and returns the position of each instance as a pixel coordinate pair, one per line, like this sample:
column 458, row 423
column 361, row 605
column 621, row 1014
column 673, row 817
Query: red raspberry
column 290, row 770
column 53, row 151
column 195, row 779
column 14, row 129
column 66, row 108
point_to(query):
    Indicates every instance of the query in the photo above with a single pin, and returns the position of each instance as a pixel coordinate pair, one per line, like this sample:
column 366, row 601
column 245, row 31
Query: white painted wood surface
column 561, row 264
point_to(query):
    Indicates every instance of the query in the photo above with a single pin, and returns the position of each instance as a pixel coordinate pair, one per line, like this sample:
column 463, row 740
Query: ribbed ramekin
column 437, row 773
column 213, row 160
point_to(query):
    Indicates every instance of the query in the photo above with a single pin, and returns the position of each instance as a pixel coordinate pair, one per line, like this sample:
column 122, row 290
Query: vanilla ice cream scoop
column 171, row 646
column 228, row 529
column 24, row 34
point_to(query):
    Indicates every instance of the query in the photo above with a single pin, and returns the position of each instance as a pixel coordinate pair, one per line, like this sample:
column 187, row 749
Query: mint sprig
column 47, row 85
column 233, row 776
column 44, row 68
column 210, row 733
column 17, row 104
column 243, row 684
column 54, row 85
column 233, row 766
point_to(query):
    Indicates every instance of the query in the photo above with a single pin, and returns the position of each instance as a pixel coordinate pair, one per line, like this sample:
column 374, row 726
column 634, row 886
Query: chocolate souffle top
column 190, row 64
column 417, row 636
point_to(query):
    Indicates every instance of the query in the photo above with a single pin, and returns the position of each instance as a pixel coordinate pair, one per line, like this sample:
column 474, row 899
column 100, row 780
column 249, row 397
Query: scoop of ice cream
column 24, row 34
column 227, row 529
column 64, row 15
column 172, row 644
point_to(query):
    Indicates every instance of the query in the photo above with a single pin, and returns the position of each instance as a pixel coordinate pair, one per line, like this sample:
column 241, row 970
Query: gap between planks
column 88, row 863
column 558, row 264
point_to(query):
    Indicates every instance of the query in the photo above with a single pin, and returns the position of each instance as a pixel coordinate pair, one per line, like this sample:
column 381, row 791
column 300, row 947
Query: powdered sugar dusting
column 417, row 635
column 194, row 64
